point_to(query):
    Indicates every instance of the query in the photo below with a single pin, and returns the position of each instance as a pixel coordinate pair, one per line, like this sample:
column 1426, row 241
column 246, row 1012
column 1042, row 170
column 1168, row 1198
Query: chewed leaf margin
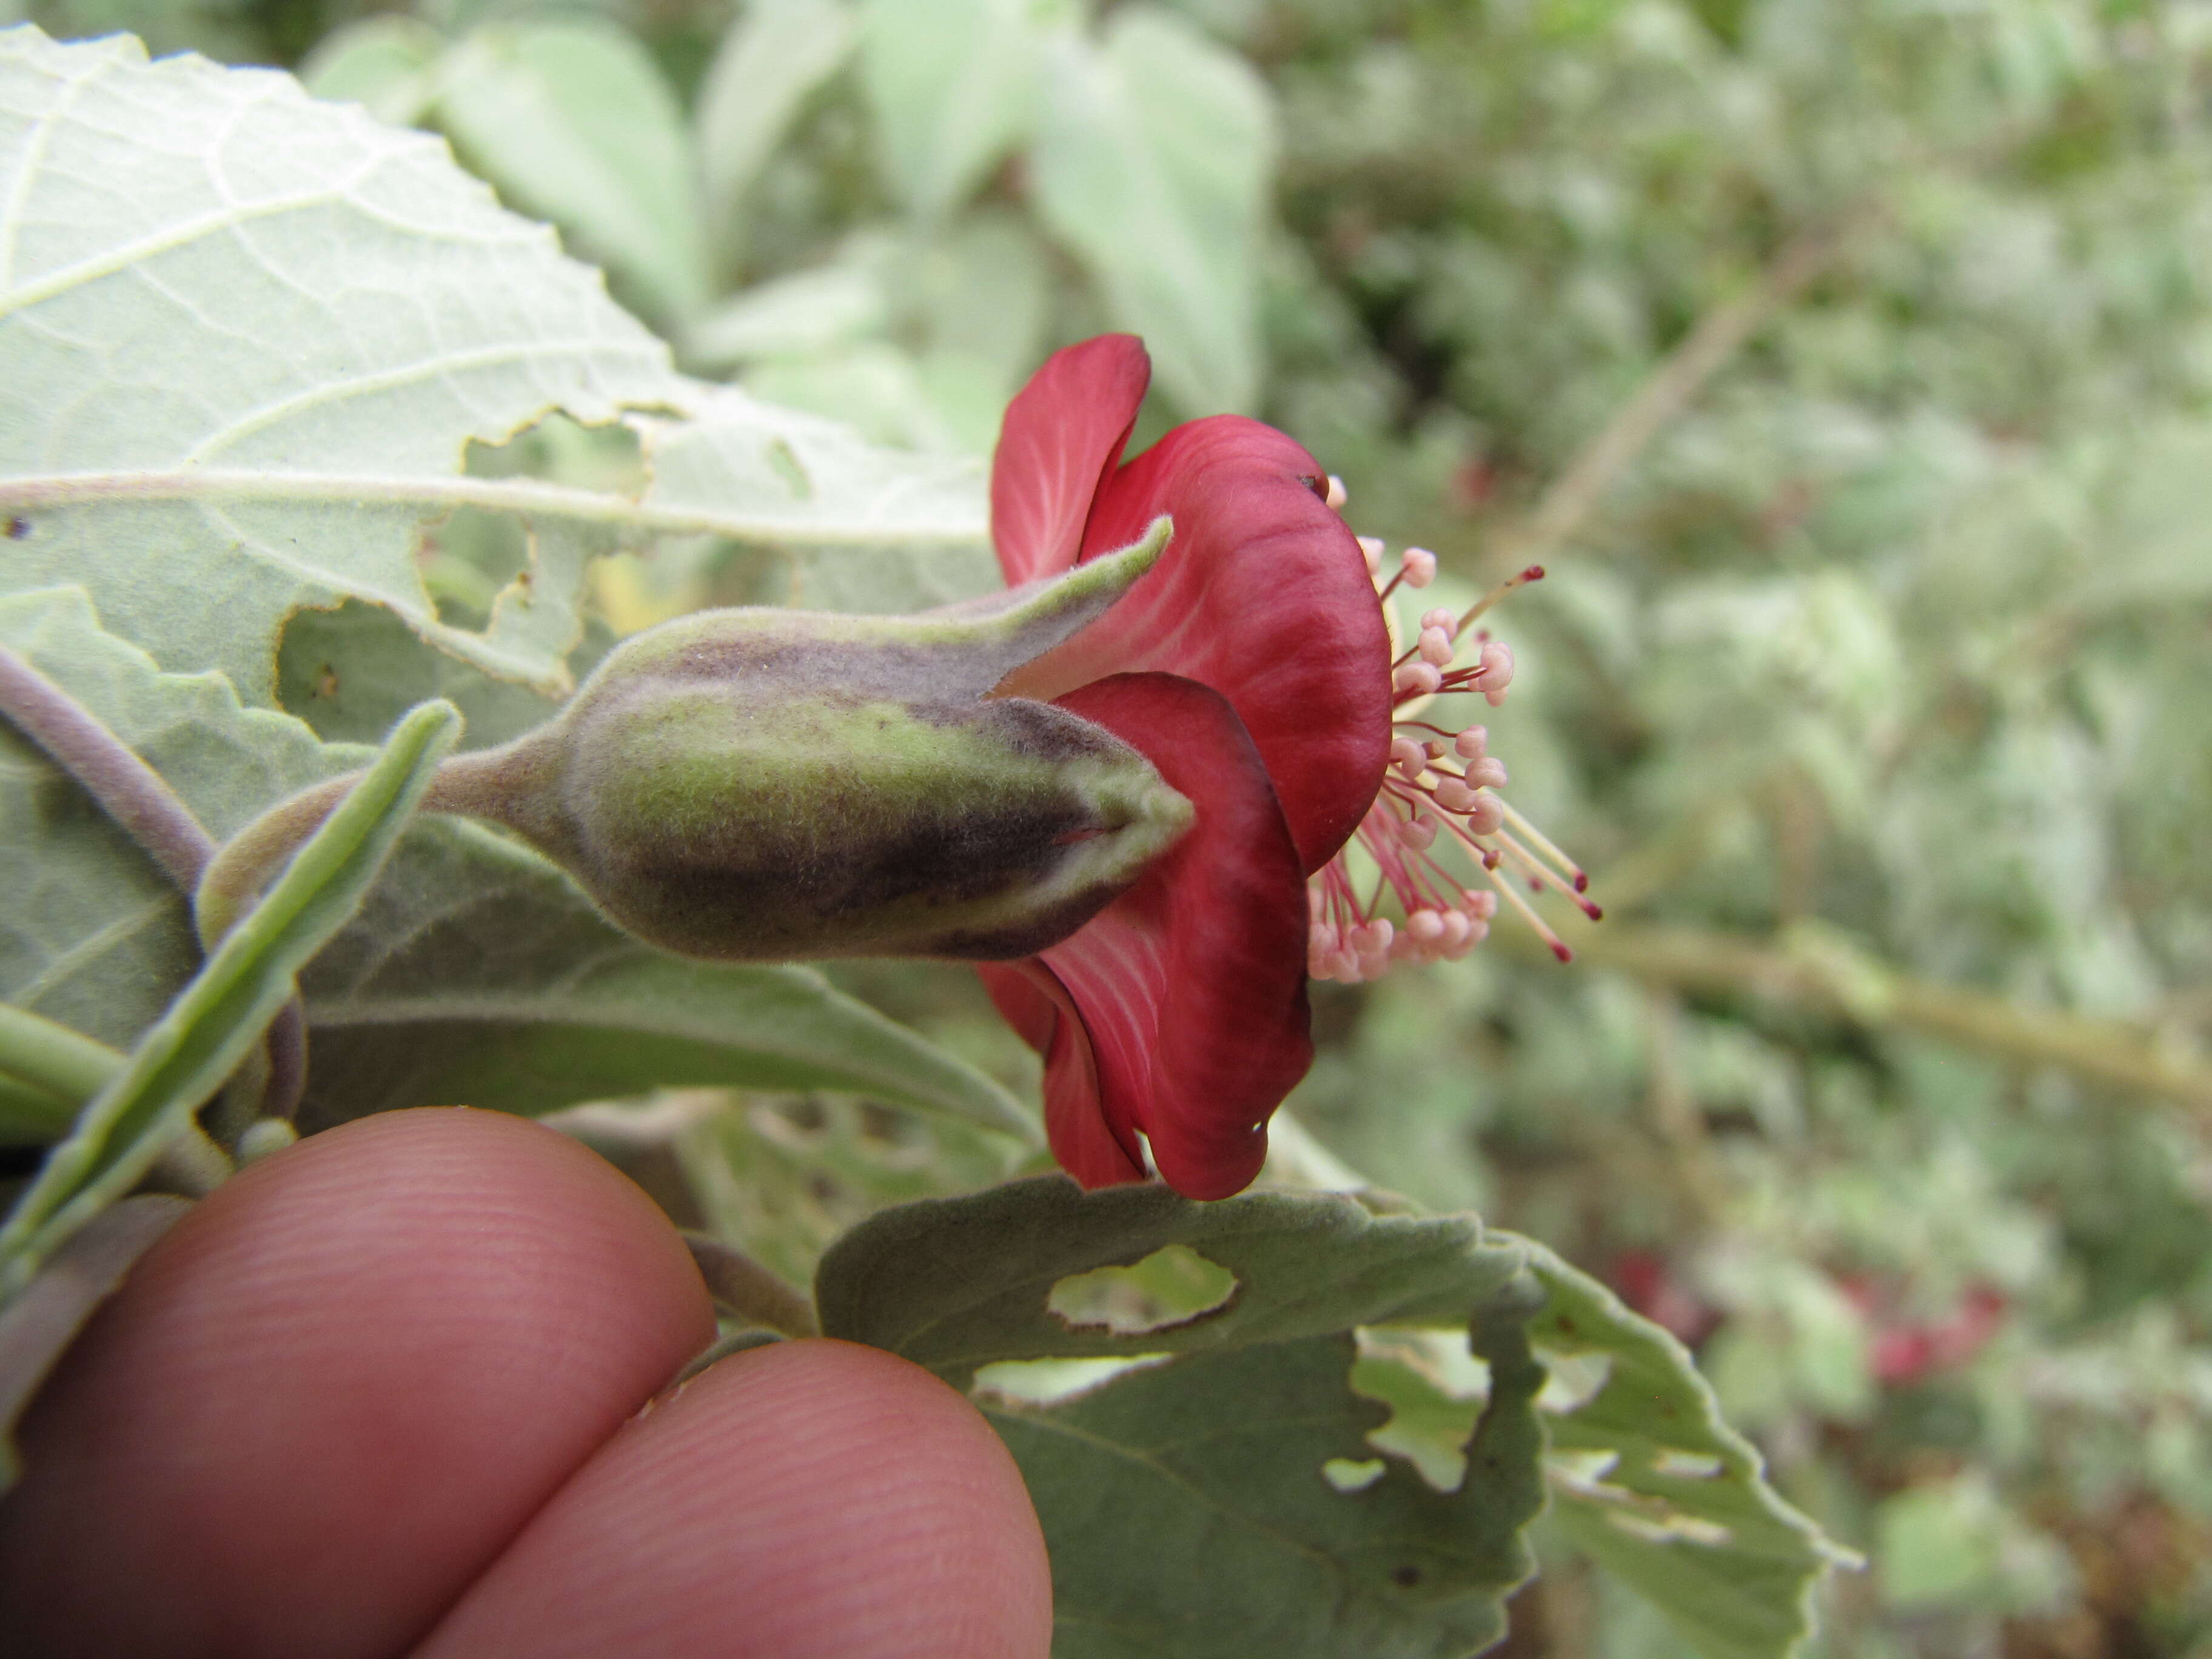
column 1648, row 1480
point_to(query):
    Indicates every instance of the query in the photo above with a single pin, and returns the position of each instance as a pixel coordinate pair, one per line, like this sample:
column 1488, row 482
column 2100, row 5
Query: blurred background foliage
column 1849, row 363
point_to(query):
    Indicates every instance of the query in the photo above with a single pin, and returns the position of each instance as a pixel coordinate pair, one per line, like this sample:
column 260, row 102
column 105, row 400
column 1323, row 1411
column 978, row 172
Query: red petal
column 1061, row 438
column 1263, row 595
column 1038, row 1007
column 1190, row 987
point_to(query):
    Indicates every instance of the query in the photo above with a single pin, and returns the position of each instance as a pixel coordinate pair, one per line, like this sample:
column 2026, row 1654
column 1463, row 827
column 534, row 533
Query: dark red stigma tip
column 1562, row 952
column 1595, row 912
column 1582, row 881
column 1535, row 573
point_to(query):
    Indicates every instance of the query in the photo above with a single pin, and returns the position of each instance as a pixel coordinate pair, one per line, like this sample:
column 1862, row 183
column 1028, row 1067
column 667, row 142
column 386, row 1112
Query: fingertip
column 806, row 1500
column 338, row 1387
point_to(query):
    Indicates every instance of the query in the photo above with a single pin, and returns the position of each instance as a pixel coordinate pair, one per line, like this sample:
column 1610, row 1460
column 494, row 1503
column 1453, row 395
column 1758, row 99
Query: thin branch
column 1836, row 982
column 528, row 496
column 1722, row 332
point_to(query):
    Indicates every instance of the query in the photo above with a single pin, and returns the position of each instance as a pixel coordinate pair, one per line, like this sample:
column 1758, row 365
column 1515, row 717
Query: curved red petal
column 1061, row 438
column 1039, row 1008
column 1190, row 987
column 1263, row 595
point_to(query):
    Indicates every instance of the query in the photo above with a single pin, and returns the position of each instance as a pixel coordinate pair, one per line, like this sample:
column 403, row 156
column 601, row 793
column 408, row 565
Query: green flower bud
column 762, row 785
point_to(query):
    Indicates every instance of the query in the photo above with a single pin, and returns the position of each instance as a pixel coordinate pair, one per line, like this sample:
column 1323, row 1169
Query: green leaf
column 574, row 122
column 478, row 974
column 320, row 313
column 793, row 316
column 1153, row 164
column 207, row 1031
column 1190, row 1504
column 96, row 937
column 387, row 65
column 953, row 88
column 1649, row 1481
column 776, row 54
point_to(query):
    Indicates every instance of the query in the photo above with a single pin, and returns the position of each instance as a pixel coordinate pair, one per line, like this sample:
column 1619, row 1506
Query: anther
column 1372, row 548
column 1453, row 795
column 1419, row 679
column 1435, row 646
column 1471, row 743
column 1336, row 497
column 1495, row 672
column 1418, row 567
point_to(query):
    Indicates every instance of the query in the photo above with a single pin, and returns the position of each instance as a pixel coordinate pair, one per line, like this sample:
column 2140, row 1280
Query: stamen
column 1423, row 799
column 1336, row 497
column 1528, row 915
column 1495, row 672
column 1539, row 877
column 1535, row 573
column 1536, row 838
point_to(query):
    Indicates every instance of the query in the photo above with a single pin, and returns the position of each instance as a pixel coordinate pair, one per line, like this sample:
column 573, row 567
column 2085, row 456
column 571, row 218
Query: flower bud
column 760, row 785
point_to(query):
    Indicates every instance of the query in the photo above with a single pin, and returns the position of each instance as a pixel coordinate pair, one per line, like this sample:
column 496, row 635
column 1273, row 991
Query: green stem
column 248, row 861
column 128, row 790
column 65, row 1065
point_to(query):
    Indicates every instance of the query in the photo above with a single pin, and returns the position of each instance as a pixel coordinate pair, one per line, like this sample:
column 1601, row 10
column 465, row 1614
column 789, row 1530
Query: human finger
column 337, row 1390
column 805, row 1500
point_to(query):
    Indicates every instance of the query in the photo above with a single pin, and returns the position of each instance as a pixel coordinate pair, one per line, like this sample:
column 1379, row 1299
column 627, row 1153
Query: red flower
column 1252, row 666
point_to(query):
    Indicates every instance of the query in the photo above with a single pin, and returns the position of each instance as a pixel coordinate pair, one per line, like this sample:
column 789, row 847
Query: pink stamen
column 1423, row 799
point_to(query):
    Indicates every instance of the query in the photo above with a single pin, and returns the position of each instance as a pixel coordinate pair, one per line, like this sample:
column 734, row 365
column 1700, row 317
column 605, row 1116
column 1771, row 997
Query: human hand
column 395, row 1390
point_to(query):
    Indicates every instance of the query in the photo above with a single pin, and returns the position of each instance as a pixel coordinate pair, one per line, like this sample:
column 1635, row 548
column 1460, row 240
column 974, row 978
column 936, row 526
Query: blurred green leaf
column 1153, row 163
column 774, row 55
column 573, row 121
column 953, row 86
column 805, row 312
column 388, row 65
column 206, row 1031
column 1187, row 1504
